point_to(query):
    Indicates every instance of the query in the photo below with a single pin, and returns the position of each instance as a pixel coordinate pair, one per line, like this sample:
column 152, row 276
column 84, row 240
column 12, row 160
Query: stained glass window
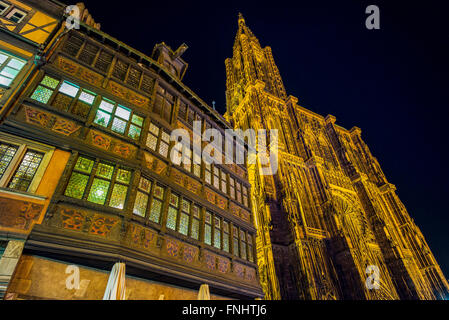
column 24, row 174
column 223, row 182
column 232, row 187
column 239, row 192
column 208, row 173
column 217, row 233
column 152, row 137
column 122, row 121
column 216, row 177
column 156, row 203
column 98, row 191
column 9, row 68
column 245, row 196
column 7, row 153
column 250, row 248
column 163, row 145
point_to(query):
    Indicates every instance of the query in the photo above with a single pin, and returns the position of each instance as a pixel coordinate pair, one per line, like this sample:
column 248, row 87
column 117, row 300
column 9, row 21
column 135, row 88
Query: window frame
column 16, row 10
column 5, row 64
column 23, row 146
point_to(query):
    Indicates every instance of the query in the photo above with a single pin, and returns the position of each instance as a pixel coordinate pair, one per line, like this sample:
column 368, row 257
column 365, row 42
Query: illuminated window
column 3, row 7
column 208, row 228
column 184, row 217
column 239, row 192
column 243, row 244
column 99, row 182
column 67, row 96
column 217, row 233
column 9, row 68
column 22, row 163
column 208, row 173
column 232, row 187
column 172, row 214
column 226, row 236
column 195, row 231
column 216, row 178
column 235, row 241
column 196, row 164
column 250, row 248
column 156, row 203
column 164, row 143
column 224, row 187
column 142, row 197
column 152, row 137
column 245, row 196
column 119, row 119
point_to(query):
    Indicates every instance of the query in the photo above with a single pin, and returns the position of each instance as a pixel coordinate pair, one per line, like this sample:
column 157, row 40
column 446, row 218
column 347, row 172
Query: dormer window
column 16, row 15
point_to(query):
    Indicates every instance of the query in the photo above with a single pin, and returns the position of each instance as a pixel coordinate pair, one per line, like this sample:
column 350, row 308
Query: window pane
column 16, row 64
column 42, row 94
column 76, row 186
column 123, row 176
column 106, row 106
column 195, row 233
column 174, row 200
column 50, row 82
column 98, row 191
column 104, row 170
column 226, row 242
column 184, row 223
column 243, row 250
column 217, row 243
column 154, row 129
column 102, row 118
column 25, row 172
column 140, row 205
column 185, row 206
column 5, row 81
column 151, row 142
column 207, row 234
column 137, row 120
column 118, row 125
column 69, row 89
column 9, row 72
column 84, row 165
column 145, row 184
column 156, row 207
column 118, row 196
column 171, row 218
column 163, row 149
column 134, row 132
column 87, row 97
column 158, row 192
column 7, row 153
column 123, row 112
column 236, row 246
column 3, row 57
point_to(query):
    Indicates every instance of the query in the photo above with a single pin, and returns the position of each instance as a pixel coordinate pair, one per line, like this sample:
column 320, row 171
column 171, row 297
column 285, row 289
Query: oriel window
column 10, row 67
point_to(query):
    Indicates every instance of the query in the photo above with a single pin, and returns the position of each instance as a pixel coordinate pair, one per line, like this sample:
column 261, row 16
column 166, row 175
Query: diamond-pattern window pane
column 163, row 149
column 98, row 191
column 25, row 172
column 171, row 218
column 185, row 206
column 69, row 89
column 174, row 200
column 151, row 142
column 137, row 120
column 50, row 82
column 156, row 208
column 118, row 196
column 140, row 205
column 184, row 224
column 226, row 242
column 118, row 125
column 42, row 94
column 195, row 233
column 154, row 129
column 104, row 170
column 158, row 192
column 145, row 184
column 217, row 240
column 84, row 165
column 102, row 118
column 207, row 234
column 7, row 153
column 76, row 186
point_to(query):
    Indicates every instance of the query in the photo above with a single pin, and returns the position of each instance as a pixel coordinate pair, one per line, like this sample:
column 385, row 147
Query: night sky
column 392, row 83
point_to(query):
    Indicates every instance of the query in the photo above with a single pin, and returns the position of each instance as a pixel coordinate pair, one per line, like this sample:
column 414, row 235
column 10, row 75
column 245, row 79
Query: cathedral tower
column 329, row 224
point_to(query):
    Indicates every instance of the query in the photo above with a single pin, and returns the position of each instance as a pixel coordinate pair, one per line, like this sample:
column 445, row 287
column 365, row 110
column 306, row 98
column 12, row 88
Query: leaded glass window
column 217, row 233
column 67, row 96
column 7, row 153
column 195, row 231
column 156, row 203
column 223, row 182
column 239, row 192
column 153, row 135
column 208, row 173
column 196, row 164
column 250, row 248
column 24, row 174
column 245, row 196
column 216, row 178
column 99, row 182
column 208, row 228
column 232, row 187
column 235, row 241
column 226, row 236
column 184, row 217
column 142, row 197
column 164, row 143
column 9, row 68
column 119, row 119
column 243, row 244
column 172, row 214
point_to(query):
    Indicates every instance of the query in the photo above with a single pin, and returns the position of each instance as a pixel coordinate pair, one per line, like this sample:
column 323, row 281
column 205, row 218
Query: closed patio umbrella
column 115, row 289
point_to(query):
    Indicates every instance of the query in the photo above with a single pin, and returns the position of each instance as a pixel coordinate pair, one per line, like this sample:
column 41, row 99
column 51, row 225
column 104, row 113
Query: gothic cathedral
column 329, row 224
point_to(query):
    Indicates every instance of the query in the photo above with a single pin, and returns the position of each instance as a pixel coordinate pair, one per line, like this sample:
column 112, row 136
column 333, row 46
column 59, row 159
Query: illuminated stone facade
column 329, row 212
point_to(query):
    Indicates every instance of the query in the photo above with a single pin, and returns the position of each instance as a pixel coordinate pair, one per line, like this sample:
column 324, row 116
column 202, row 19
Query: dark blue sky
column 393, row 82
